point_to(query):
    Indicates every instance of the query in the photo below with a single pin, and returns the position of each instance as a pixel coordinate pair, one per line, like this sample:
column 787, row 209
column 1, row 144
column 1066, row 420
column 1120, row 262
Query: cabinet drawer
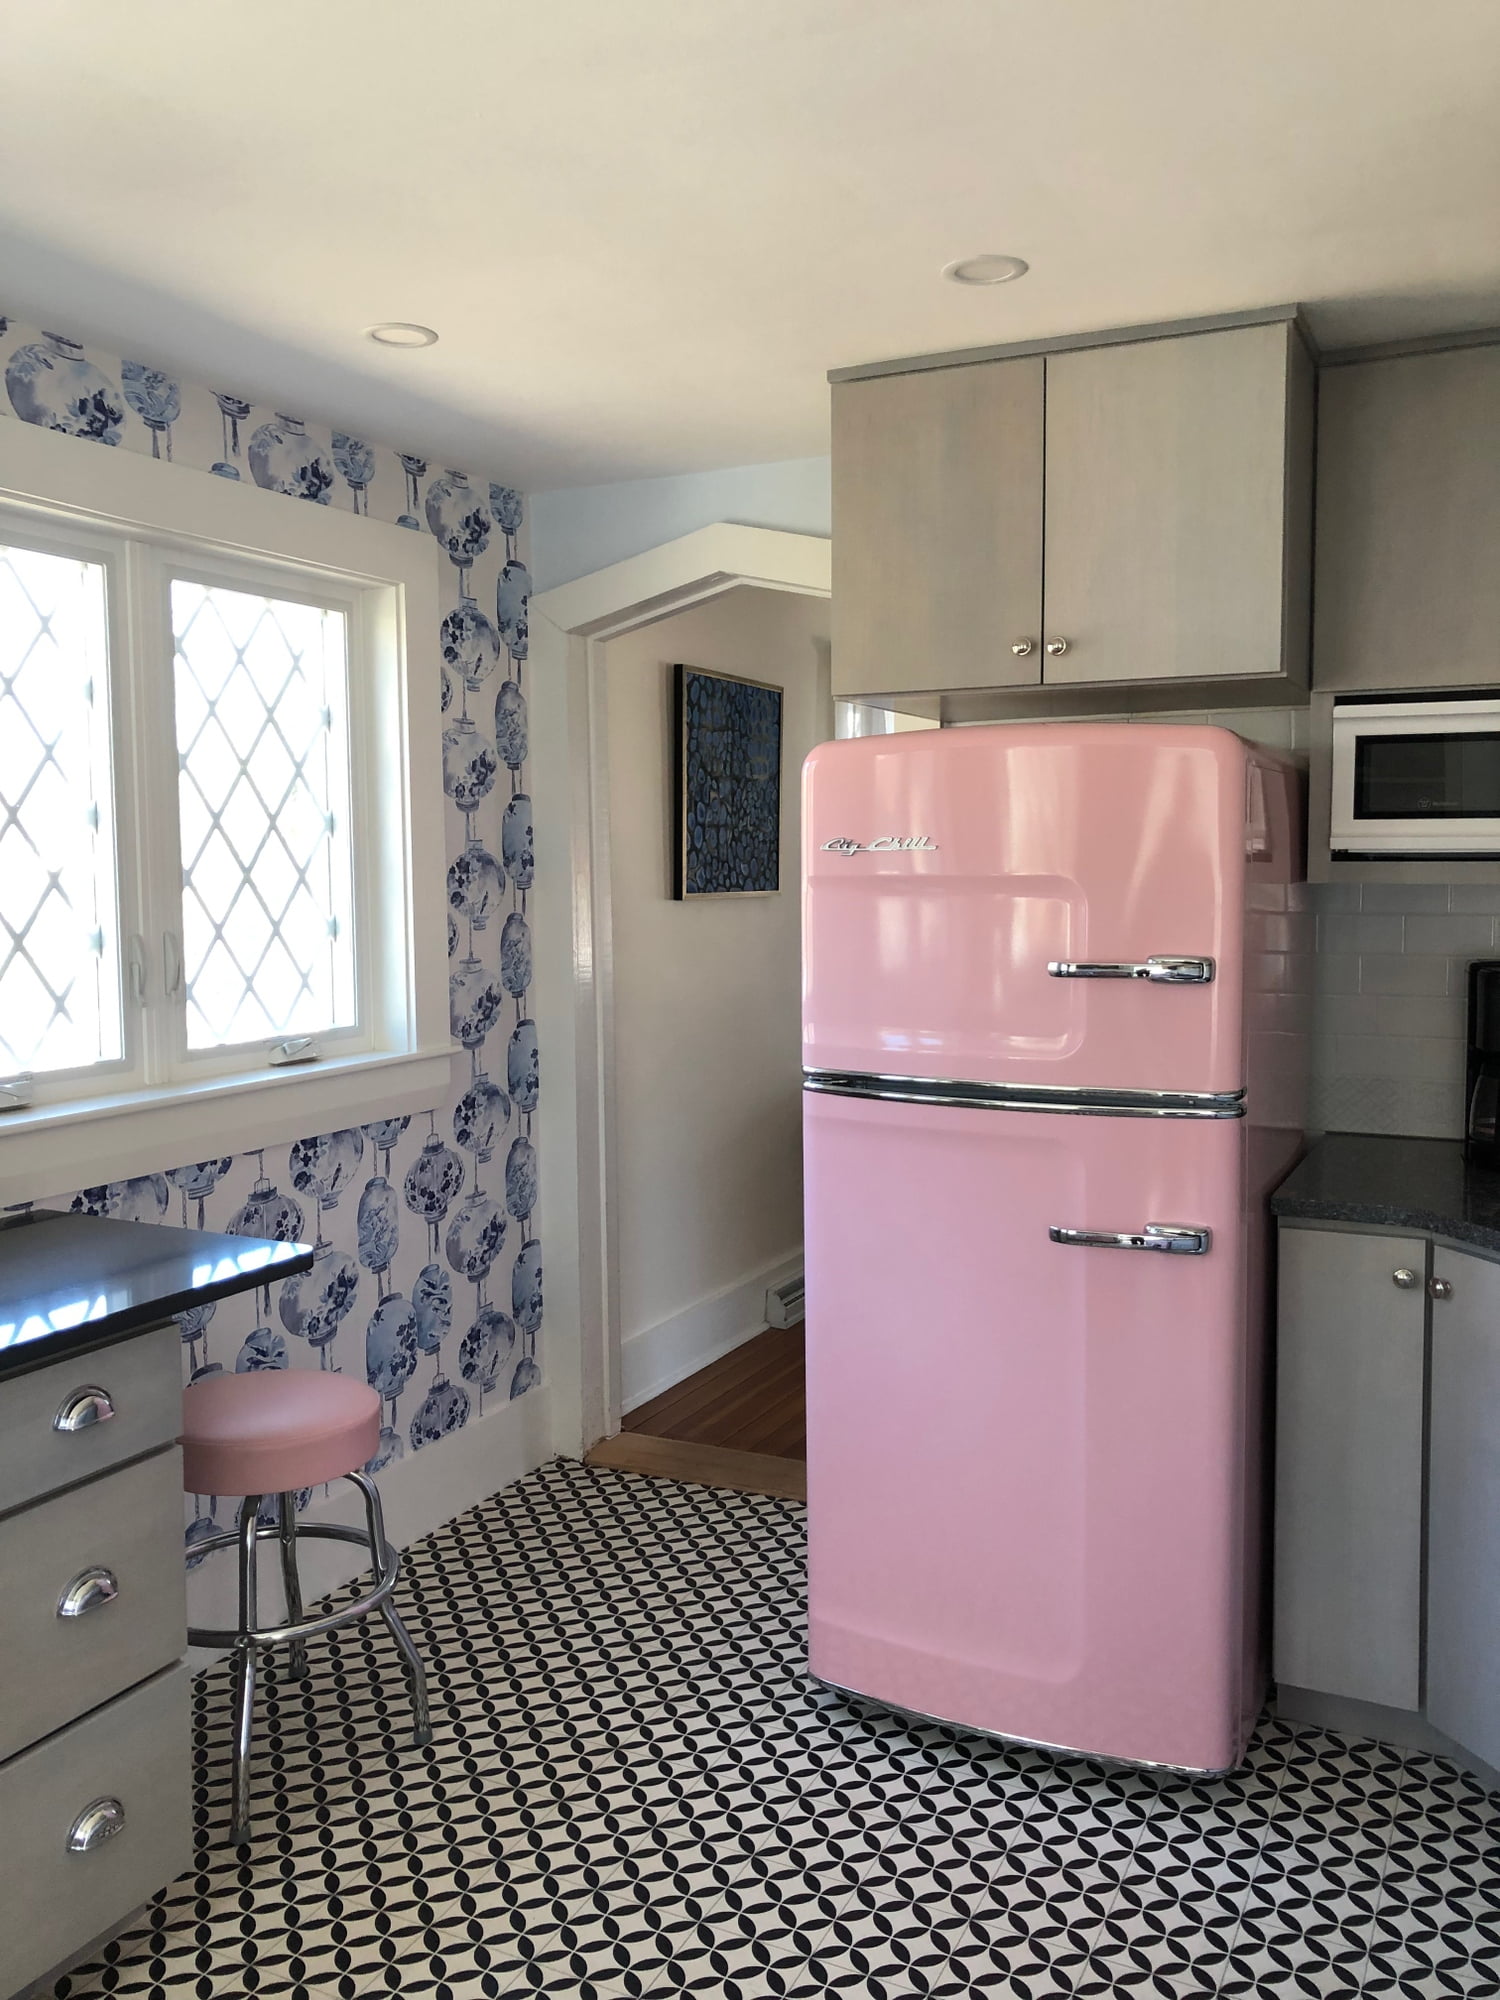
column 136, row 1755
column 142, row 1378
column 126, row 1529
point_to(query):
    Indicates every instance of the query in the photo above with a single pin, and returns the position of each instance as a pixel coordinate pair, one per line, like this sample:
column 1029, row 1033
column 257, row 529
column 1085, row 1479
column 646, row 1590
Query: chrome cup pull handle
column 1164, row 970
column 90, row 1589
column 84, row 1408
column 99, row 1821
column 1176, row 1239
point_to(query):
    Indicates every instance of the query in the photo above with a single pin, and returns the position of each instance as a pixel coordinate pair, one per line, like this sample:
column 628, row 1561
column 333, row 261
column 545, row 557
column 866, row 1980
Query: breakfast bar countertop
column 72, row 1283
column 1423, row 1185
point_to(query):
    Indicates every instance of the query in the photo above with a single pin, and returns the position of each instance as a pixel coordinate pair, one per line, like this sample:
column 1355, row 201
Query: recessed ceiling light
column 401, row 333
column 990, row 269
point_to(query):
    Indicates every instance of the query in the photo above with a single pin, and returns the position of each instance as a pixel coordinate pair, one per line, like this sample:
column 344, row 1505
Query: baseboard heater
column 786, row 1303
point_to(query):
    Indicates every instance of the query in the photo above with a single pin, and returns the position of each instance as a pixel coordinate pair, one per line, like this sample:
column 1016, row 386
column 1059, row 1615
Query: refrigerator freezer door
column 1056, row 905
column 1027, row 1458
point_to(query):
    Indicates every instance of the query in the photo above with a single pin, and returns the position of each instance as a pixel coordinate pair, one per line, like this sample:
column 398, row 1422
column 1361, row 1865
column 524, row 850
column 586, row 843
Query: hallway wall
column 578, row 529
column 706, row 1176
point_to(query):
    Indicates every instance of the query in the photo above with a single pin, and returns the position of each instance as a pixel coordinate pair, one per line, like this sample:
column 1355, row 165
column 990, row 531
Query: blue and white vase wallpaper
column 428, row 1275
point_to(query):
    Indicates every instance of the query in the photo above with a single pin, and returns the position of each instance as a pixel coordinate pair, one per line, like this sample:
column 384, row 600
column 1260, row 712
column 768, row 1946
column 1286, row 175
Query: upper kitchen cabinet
column 1133, row 511
column 937, row 538
column 1409, row 522
column 1178, row 518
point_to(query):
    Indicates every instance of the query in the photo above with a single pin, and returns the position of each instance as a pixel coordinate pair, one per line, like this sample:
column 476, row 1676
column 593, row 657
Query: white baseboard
column 660, row 1356
column 420, row 1492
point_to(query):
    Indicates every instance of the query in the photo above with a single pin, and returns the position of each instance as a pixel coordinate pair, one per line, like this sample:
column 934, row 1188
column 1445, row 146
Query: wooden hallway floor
column 740, row 1422
column 748, row 1400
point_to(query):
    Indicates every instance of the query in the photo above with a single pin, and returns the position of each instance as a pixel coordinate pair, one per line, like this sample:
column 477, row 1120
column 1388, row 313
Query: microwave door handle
column 1164, row 970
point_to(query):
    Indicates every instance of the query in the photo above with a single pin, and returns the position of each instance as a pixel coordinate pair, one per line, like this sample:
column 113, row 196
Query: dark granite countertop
column 72, row 1283
column 1424, row 1185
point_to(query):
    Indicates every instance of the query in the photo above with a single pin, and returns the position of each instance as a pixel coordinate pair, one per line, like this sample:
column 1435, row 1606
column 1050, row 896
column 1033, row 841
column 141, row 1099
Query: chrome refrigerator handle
column 1163, row 971
column 1171, row 1237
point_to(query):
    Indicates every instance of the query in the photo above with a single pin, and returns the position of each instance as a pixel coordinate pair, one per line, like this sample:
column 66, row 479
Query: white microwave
column 1416, row 778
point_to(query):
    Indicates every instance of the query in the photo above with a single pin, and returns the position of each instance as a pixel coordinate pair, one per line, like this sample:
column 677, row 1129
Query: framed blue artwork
column 728, row 785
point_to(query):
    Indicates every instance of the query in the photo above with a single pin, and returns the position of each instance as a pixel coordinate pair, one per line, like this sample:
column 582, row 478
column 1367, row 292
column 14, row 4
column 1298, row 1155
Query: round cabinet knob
column 1404, row 1279
column 1057, row 646
column 1440, row 1288
column 1022, row 647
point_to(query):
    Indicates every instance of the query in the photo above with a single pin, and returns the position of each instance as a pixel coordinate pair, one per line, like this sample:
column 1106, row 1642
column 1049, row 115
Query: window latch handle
column 136, row 963
column 171, row 963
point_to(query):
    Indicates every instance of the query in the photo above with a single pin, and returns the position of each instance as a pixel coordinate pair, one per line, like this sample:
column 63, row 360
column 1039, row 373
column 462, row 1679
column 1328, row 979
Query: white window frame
column 146, row 521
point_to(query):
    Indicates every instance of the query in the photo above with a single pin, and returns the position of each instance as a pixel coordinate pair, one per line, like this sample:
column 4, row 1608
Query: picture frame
column 727, row 733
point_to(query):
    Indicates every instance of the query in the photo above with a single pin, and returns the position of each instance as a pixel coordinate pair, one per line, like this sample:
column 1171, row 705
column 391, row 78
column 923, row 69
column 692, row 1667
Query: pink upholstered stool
column 273, row 1432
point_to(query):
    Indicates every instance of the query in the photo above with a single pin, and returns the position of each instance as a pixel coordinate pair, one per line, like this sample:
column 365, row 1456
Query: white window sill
column 51, row 1149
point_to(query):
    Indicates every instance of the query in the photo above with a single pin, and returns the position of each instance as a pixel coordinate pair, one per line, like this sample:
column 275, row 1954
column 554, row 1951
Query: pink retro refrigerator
column 1054, row 1062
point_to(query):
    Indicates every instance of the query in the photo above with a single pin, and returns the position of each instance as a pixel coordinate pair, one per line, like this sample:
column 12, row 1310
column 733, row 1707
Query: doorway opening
column 706, row 1112
column 686, row 1017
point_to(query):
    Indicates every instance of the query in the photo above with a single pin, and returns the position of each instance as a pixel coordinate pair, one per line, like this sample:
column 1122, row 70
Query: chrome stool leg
column 380, row 1554
column 244, row 1670
column 245, row 1641
column 291, row 1583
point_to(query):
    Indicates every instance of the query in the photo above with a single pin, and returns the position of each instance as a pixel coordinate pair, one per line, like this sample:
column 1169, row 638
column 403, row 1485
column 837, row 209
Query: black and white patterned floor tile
column 634, row 1790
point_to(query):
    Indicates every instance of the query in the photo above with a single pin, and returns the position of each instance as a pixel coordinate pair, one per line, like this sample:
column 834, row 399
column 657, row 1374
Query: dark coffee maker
column 1482, row 1116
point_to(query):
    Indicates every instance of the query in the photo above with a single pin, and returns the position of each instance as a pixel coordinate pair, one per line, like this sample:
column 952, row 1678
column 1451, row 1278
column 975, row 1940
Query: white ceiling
column 646, row 228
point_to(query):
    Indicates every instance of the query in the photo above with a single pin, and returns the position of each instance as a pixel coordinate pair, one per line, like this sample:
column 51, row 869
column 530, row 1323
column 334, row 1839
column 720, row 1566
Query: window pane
column 263, row 755
column 59, row 929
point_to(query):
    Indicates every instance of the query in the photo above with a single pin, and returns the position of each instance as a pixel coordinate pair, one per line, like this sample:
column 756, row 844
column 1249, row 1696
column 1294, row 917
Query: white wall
column 579, row 529
column 707, row 1173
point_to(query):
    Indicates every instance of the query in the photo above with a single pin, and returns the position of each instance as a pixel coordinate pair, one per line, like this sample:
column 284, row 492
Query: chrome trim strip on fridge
column 1025, row 1097
column 1031, row 1742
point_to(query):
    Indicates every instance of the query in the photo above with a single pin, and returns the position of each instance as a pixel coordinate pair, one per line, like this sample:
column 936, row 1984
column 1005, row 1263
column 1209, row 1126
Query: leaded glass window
column 261, row 689
column 60, row 1001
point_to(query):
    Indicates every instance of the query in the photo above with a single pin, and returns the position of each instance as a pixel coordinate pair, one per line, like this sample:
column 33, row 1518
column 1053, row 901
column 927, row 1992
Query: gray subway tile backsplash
column 1414, row 1057
column 1390, row 983
column 1404, row 898
column 1340, row 972
column 1346, row 1014
column 1329, row 897
column 1438, row 1016
column 1361, row 933
column 1471, row 932
column 1394, row 972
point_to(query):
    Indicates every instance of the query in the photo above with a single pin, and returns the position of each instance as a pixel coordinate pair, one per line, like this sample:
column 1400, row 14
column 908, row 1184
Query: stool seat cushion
column 275, row 1430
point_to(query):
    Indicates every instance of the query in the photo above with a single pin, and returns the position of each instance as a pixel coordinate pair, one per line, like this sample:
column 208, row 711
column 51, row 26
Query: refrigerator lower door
column 1028, row 1458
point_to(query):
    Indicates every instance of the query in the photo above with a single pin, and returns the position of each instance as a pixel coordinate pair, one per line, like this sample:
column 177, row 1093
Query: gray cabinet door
column 937, row 529
column 1463, row 1505
column 1408, row 585
column 1349, row 1393
column 1177, row 530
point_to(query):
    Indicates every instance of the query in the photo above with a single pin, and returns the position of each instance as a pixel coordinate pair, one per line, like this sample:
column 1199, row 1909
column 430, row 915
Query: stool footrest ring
column 306, row 1628
column 248, row 1638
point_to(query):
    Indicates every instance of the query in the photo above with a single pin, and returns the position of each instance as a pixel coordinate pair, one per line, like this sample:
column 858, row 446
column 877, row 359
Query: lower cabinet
column 1463, row 1504
column 1349, row 1369
column 1387, row 1539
